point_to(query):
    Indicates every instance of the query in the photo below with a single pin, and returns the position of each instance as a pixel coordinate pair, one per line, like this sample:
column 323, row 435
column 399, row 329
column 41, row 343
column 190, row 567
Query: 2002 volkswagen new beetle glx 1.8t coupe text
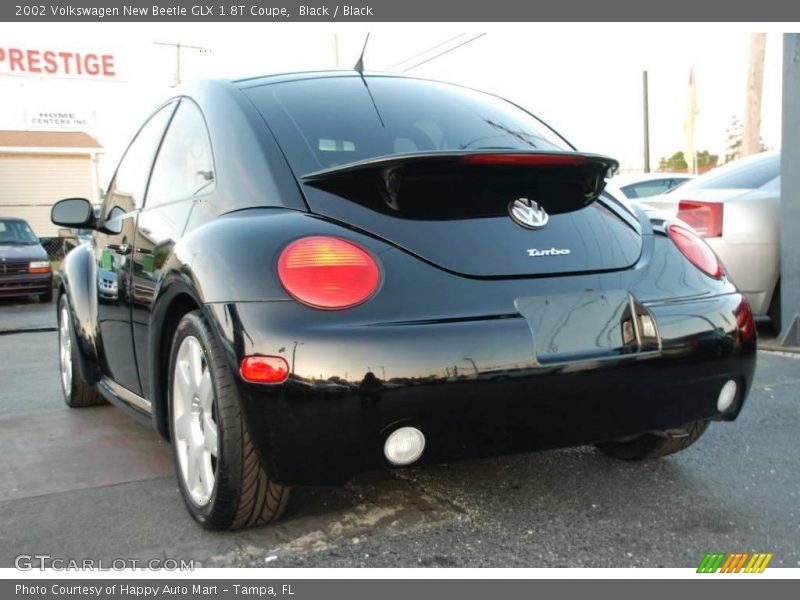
column 323, row 274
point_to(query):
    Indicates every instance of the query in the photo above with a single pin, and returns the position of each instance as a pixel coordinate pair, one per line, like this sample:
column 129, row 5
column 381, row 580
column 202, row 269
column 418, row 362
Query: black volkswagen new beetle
column 322, row 274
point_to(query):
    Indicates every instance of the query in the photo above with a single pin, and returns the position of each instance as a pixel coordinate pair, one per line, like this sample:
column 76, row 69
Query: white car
column 645, row 185
column 736, row 208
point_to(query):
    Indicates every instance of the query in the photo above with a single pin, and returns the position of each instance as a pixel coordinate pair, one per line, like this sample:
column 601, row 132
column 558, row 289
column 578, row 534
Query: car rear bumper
column 25, row 284
column 473, row 387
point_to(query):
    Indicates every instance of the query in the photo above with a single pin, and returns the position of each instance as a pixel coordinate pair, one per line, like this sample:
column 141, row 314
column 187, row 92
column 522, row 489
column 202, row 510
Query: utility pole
column 335, row 47
column 790, row 194
column 751, row 132
column 178, row 47
column 646, row 113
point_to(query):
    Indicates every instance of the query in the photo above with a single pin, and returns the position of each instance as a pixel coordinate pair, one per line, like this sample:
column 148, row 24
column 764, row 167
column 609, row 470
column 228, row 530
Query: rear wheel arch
column 176, row 301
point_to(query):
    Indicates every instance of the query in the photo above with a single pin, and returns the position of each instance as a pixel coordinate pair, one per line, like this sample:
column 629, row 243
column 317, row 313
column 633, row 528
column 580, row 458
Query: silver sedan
column 736, row 208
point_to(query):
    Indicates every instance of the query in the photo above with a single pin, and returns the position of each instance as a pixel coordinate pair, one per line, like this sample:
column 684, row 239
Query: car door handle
column 122, row 249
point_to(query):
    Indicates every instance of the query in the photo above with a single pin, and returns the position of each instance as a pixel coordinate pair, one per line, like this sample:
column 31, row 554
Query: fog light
column 404, row 446
column 726, row 396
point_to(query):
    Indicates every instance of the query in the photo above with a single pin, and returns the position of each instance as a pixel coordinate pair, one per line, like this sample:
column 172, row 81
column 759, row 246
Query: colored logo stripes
column 734, row 563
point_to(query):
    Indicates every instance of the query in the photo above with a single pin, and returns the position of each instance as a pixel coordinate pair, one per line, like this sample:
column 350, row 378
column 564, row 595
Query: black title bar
column 400, row 10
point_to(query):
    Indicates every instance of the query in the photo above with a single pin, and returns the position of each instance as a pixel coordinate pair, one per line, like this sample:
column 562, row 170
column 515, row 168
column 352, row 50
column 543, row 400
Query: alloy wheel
column 195, row 430
column 65, row 349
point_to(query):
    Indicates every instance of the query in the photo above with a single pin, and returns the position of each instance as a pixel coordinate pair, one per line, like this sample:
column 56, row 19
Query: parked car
column 736, row 209
column 645, row 185
column 24, row 267
column 325, row 274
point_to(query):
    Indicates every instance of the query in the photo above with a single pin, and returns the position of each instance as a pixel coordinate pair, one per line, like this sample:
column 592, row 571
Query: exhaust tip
column 727, row 396
column 404, row 446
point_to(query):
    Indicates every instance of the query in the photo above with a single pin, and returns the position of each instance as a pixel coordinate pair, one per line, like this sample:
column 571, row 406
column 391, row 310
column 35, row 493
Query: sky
column 584, row 80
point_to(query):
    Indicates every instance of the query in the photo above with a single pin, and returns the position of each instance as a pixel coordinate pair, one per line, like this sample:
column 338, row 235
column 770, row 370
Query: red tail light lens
column 328, row 272
column 524, row 159
column 696, row 250
column 704, row 217
column 745, row 321
column 265, row 369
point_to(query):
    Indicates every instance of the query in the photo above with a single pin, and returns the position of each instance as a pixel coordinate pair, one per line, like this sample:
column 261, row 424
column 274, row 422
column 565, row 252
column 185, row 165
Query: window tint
column 321, row 123
column 128, row 188
column 645, row 189
column 16, row 232
column 749, row 175
column 184, row 167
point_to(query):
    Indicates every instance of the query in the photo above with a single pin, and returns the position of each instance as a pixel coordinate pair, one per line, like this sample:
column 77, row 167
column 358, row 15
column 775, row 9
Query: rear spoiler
column 559, row 181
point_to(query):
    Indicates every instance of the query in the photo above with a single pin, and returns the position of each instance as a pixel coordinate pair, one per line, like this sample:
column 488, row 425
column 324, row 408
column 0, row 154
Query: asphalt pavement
column 93, row 483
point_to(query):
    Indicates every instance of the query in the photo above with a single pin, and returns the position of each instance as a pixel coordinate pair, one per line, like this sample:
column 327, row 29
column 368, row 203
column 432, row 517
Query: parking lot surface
column 94, row 483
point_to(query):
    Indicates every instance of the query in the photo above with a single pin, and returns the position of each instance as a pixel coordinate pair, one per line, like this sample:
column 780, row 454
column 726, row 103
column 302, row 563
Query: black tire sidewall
column 214, row 514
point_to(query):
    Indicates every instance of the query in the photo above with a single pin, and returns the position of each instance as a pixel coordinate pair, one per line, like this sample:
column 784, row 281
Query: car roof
column 304, row 75
column 629, row 178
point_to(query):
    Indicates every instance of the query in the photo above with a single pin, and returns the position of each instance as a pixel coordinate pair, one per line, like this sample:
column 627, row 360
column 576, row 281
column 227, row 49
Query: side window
column 772, row 185
column 185, row 166
column 128, row 188
column 645, row 189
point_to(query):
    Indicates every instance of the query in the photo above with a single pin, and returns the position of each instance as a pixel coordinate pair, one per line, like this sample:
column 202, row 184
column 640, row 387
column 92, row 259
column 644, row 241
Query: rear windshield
column 749, row 175
column 16, row 232
column 322, row 123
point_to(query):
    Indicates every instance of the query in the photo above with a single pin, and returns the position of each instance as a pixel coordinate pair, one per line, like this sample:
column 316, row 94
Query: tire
column 653, row 445
column 46, row 297
column 77, row 393
column 221, row 479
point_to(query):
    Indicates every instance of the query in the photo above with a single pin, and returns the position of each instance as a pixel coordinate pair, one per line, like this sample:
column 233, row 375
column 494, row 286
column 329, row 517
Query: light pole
column 178, row 47
column 790, row 194
column 294, row 352
column 474, row 366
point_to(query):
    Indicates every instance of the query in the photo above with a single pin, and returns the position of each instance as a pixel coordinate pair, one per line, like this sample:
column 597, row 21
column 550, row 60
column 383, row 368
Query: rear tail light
column 328, row 272
column 39, row 266
column 745, row 321
column 704, row 217
column 265, row 369
column 696, row 250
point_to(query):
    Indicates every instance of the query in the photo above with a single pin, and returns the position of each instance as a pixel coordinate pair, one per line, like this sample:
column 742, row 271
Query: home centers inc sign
column 59, row 119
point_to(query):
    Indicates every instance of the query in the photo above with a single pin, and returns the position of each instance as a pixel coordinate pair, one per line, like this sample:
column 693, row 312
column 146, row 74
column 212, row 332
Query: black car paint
column 420, row 351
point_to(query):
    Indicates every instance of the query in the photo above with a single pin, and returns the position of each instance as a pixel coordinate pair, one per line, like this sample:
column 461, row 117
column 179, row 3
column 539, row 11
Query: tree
column 735, row 134
column 677, row 162
column 706, row 160
column 734, row 145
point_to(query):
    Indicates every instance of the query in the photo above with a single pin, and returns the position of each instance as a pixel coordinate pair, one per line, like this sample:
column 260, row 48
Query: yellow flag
column 688, row 127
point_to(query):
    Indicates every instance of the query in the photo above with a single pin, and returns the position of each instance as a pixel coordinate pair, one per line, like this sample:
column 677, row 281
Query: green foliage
column 677, row 162
column 707, row 160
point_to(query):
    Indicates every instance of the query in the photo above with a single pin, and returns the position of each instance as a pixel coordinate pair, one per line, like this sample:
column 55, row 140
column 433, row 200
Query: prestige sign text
column 57, row 63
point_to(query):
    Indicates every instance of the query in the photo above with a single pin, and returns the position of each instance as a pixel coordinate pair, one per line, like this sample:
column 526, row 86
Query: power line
column 443, row 53
column 418, row 54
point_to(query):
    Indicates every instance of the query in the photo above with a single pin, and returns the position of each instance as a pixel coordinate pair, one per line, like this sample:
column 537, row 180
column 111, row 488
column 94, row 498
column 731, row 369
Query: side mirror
column 73, row 212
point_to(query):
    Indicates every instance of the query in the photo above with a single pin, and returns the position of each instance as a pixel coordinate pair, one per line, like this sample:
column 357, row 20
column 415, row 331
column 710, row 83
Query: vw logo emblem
column 528, row 213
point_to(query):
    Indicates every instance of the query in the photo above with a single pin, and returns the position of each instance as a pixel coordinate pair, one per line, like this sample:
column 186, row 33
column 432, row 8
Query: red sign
column 57, row 63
